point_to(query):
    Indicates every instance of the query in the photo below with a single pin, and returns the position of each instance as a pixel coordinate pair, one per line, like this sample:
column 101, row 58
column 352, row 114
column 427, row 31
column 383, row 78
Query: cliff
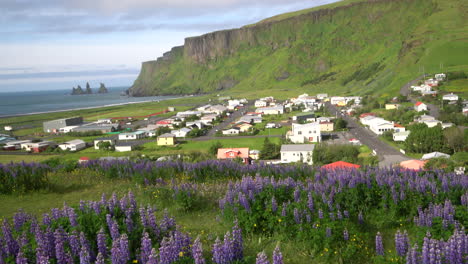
column 381, row 41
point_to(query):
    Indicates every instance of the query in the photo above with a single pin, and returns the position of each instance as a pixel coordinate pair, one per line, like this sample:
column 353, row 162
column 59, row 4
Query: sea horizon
column 20, row 103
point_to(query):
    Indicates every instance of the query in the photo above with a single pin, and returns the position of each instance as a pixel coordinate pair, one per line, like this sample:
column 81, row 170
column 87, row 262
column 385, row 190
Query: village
column 290, row 130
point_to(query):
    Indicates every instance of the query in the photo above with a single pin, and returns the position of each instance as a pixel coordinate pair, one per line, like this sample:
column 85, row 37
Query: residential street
column 405, row 90
column 387, row 154
column 237, row 114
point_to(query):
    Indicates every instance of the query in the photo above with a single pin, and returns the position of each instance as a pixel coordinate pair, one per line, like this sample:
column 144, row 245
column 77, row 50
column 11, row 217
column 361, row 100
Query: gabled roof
column 419, row 103
column 242, row 152
column 435, row 154
column 413, row 164
column 167, row 135
column 297, row 147
column 340, row 165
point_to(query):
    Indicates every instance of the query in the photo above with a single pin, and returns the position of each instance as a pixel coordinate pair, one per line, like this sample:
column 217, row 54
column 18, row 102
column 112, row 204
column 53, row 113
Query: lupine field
column 225, row 212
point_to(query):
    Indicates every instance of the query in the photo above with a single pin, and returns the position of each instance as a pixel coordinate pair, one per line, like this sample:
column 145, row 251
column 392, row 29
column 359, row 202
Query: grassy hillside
column 349, row 47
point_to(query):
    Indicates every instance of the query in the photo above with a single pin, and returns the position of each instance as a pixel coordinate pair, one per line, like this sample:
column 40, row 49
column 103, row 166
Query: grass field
column 25, row 158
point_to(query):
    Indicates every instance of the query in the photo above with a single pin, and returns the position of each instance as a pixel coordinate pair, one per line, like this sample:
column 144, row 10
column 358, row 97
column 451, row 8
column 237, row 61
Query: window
column 299, row 132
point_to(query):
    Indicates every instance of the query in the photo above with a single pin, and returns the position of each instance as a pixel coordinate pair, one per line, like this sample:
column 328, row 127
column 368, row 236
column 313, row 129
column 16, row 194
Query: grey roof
column 435, row 154
column 128, row 143
column 106, row 138
column 167, row 135
column 298, row 147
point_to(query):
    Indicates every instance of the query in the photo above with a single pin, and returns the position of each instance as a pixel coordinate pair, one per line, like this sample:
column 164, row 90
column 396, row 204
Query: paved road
column 405, row 90
column 206, row 138
column 237, row 114
column 387, row 154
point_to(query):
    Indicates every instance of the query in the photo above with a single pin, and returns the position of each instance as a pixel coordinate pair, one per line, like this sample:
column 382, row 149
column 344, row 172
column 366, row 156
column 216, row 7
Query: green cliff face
column 348, row 47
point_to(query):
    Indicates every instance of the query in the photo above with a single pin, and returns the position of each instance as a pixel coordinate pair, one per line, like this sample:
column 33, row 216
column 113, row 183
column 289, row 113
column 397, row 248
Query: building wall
column 54, row 125
column 296, row 156
column 165, row 141
column 326, row 127
column 123, row 148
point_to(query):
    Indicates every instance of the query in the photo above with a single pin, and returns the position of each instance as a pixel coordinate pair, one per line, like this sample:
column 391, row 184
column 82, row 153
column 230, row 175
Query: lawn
column 459, row 87
column 25, row 158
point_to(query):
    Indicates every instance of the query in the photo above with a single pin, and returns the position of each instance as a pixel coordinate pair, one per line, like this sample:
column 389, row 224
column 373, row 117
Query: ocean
column 20, row 103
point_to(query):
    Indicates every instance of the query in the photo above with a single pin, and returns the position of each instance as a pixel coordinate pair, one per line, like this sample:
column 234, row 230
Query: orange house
column 232, row 153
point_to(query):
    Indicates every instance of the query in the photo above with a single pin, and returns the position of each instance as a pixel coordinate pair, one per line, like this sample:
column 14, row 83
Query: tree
column 162, row 130
column 88, row 88
column 340, row 123
column 214, row 148
column 269, row 150
column 454, row 138
column 423, row 139
column 106, row 145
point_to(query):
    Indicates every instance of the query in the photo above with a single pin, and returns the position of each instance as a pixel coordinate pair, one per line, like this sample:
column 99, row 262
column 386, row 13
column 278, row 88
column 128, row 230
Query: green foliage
column 106, row 145
column 85, row 134
column 340, row 124
column 319, row 79
column 364, row 74
column 214, row 148
column 269, row 150
column 22, row 178
column 423, row 139
column 325, row 154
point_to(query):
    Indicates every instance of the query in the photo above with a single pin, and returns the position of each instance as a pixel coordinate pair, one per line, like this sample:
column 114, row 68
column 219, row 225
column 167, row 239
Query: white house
column 216, row 109
column 132, row 135
column 401, row 136
column 199, row 124
column 420, row 106
column 125, row 146
column 208, row 119
column 260, row 103
column 16, row 144
column 181, row 132
column 274, row 110
column 379, row 126
column 322, row 96
column 67, row 129
column 231, row 131
column 297, row 153
column 440, row 76
column 366, row 120
column 435, row 155
column 338, row 100
column 450, row 97
column 432, row 123
column 186, row 114
column 305, row 133
column 73, row 145
column 233, row 103
column 111, row 140
column 256, row 119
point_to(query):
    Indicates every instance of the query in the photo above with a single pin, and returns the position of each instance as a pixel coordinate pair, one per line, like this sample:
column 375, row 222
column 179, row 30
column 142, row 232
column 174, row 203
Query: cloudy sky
column 56, row 44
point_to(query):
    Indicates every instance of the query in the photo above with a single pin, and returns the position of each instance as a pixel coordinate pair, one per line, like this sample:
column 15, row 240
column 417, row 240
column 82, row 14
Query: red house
column 340, row 165
column 232, row 153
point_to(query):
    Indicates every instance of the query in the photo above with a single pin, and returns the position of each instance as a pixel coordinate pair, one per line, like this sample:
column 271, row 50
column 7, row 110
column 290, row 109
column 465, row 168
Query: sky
column 58, row 44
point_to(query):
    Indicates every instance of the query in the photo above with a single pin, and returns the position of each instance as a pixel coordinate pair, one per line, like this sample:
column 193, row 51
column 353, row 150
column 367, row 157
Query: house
column 322, row 96
column 149, row 131
column 233, row 153
column 256, row 119
column 166, row 140
column 171, row 109
column 398, row 128
column 73, row 145
column 433, row 93
column 392, row 106
column 15, row 144
column 341, row 165
column 273, row 110
column 208, row 119
column 338, row 100
column 6, row 138
column 183, row 132
column 432, row 123
column 260, row 103
column 254, row 154
column 37, row 147
column 195, row 124
column 420, row 106
column 67, row 129
column 436, row 154
column 104, row 121
column 232, row 104
column 111, row 141
column 355, row 141
column 305, row 133
column 440, row 76
column 104, row 128
column 216, row 109
column 297, row 153
column 54, row 126
column 272, row 125
column 366, row 120
column 203, row 108
column 413, row 164
column 8, row 128
column 380, row 126
column 401, row 136
column 139, row 134
column 323, row 119
column 302, row 118
column 186, row 114
column 124, row 146
column 244, row 127
column 326, row 126
column 231, row 131
column 356, row 99
column 83, row 160
column 450, row 97
column 446, row 125
column 366, row 115
column 431, row 82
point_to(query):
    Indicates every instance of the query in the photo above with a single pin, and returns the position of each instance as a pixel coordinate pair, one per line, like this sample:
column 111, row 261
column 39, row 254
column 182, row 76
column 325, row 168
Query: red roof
column 397, row 125
column 164, row 122
column 231, row 153
column 366, row 114
column 413, row 164
column 419, row 103
column 84, row 158
column 341, row 165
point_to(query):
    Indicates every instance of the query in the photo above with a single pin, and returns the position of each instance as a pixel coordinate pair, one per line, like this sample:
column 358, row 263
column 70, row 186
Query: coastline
column 92, row 107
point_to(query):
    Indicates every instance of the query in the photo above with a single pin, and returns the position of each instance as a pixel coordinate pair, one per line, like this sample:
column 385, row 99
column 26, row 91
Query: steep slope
column 351, row 46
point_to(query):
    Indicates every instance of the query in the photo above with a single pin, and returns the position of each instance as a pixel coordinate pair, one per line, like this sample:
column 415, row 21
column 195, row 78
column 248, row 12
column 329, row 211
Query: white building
column 367, row 120
column 337, row 100
column 297, row 153
column 104, row 139
column 322, row 96
column 181, row 132
column 132, row 135
column 233, row 103
column 73, row 145
column 125, row 146
column 260, row 103
column 185, row 114
column 274, row 110
column 450, row 97
column 231, row 131
column 440, row 76
column 256, row 119
column 67, row 129
column 401, row 136
column 208, row 119
column 435, row 155
column 16, row 144
column 420, row 106
column 305, row 133
column 380, row 126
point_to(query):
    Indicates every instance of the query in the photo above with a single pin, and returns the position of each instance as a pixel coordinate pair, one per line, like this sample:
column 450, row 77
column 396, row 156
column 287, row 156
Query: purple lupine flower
column 345, row 235
column 153, row 257
column 59, row 245
column 328, row 232
column 197, row 252
column 274, row 204
column 116, row 255
column 46, row 220
column 50, row 243
column 310, row 202
column 72, row 216
column 283, row 210
column 168, row 251
column 12, row 247
column 100, row 259
column 320, row 214
column 297, row 195
column 238, row 243
column 74, row 243
column 360, row 218
column 244, row 202
column 84, row 256
column 101, row 243
column 218, row 252
column 129, row 223
column 297, row 217
column 262, row 258
column 146, row 247
column 85, row 244
column 19, row 219
column 277, row 256
column 346, row 213
column 379, row 249
column 152, row 222
column 21, row 259
column 113, row 227
column 124, row 249
column 42, row 259
column 228, row 247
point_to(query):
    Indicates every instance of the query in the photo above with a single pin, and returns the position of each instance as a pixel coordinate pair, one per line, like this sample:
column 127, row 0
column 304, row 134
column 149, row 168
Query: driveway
column 387, row 154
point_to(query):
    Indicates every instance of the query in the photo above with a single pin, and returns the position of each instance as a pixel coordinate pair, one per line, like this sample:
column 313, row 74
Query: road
column 405, row 90
column 206, row 138
column 387, row 154
column 226, row 122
